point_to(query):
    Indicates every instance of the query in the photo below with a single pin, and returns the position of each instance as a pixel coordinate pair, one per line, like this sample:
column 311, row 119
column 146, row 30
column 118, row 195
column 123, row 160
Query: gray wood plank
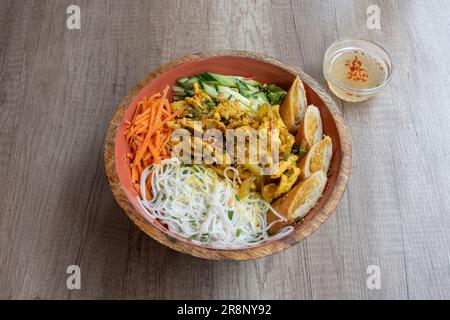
column 59, row 89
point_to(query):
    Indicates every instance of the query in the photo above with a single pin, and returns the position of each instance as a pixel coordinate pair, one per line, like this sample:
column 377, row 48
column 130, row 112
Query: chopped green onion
column 298, row 150
column 193, row 223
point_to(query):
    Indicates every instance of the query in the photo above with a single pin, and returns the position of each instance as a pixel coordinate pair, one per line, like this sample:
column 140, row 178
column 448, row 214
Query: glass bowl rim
column 329, row 76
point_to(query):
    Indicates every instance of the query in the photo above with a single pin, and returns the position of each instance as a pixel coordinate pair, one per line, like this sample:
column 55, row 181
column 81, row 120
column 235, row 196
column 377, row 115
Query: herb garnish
column 298, row 150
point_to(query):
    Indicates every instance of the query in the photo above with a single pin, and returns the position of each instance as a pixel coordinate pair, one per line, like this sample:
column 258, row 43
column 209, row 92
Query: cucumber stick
column 218, row 79
column 252, row 104
column 210, row 90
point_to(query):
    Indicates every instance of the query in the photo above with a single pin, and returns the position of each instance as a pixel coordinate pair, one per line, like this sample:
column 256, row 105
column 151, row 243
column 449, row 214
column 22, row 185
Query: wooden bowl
column 265, row 70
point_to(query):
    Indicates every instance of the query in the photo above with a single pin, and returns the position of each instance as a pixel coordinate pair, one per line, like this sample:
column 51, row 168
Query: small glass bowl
column 380, row 61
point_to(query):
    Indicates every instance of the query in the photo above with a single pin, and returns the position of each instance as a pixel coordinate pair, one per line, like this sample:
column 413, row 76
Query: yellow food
column 228, row 114
column 298, row 201
column 240, row 186
column 294, row 105
column 318, row 158
column 287, row 180
column 311, row 130
column 311, row 126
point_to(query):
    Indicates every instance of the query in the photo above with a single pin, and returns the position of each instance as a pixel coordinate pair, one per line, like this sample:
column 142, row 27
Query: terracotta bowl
column 265, row 70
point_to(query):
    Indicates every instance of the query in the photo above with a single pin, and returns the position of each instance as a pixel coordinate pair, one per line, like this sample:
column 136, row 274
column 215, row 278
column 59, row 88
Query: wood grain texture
column 59, row 90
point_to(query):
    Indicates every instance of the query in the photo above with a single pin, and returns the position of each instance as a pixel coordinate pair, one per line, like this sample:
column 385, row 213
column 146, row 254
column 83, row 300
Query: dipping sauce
column 356, row 74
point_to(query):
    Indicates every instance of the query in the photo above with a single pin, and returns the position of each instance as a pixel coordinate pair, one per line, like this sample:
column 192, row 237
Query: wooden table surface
column 59, row 89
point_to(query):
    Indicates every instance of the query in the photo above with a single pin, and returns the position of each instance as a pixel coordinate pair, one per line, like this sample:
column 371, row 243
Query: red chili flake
column 356, row 71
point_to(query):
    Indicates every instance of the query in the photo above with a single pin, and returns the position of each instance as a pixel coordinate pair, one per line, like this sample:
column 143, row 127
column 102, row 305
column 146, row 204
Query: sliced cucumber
column 261, row 96
column 250, row 82
column 248, row 92
column 210, row 90
column 187, row 83
column 218, row 79
column 179, row 90
column 245, row 89
column 251, row 104
column 236, row 95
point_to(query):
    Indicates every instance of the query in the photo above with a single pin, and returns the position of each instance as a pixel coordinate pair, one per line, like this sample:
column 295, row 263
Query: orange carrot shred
column 147, row 134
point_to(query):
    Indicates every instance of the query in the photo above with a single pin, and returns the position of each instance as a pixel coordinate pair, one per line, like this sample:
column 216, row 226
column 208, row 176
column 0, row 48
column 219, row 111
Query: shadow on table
column 118, row 260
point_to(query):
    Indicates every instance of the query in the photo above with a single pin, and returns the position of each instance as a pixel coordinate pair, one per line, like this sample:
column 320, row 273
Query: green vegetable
column 249, row 93
column 210, row 90
column 211, row 105
column 298, row 150
column 197, row 113
column 230, row 215
column 218, row 79
column 238, row 232
column 182, row 81
column 187, row 83
column 276, row 98
column 250, row 82
column 236, row 95
column 177, row 97
column 261, row 97
column 204, row 237
column 193, row 223
column 251, row 104
column 245, row 89
column 179, row 93
column 272, row 88
column 178, row 90
column 177, row 219
column 274, row 94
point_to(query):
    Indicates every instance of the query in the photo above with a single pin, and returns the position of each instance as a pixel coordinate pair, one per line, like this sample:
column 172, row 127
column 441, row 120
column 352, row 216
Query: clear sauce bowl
column 356, row 69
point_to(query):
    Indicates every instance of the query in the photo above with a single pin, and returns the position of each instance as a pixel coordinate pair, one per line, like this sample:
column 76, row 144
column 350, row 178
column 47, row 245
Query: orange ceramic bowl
column 265, row 70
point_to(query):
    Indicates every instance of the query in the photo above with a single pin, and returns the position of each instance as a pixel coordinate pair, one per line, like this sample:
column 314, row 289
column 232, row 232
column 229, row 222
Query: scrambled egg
column 284, row 166
column 227, row 110
column 288, row 178
column 226, row 114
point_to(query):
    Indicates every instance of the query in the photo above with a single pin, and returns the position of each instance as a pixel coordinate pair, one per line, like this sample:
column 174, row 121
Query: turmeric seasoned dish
column 224, row 111
column 229, row 162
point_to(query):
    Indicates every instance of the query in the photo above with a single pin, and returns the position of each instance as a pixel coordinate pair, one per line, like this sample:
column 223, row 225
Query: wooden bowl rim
column 249, row 253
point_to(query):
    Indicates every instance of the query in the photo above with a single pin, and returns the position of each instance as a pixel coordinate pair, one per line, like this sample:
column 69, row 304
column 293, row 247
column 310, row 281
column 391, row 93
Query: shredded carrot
column 147, row 134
